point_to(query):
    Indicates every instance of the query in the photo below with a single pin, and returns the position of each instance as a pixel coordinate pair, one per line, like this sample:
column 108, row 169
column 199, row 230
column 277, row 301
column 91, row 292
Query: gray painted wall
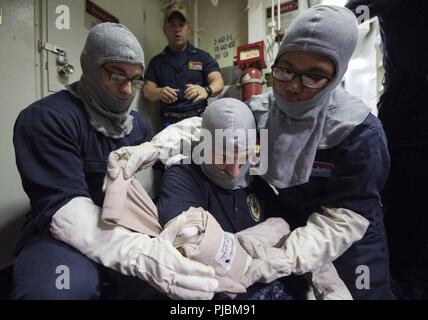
column 17, row 90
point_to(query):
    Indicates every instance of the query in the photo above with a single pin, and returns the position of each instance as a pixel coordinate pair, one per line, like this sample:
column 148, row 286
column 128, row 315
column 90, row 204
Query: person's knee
column 51, row 270
column 80, row 290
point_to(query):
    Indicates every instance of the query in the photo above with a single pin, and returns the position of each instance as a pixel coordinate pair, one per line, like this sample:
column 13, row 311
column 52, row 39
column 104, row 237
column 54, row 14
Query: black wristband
column 209, row 91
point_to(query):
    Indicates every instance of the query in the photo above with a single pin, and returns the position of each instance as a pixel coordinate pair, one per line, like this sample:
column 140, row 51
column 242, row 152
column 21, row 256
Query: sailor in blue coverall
column 236, row 200
column 325, row 148
column 62, row 143
column 182, row 77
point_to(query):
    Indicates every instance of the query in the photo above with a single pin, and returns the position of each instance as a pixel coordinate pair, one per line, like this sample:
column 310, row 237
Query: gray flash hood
column 329, row 116
column 107, row 43
column 229, row 114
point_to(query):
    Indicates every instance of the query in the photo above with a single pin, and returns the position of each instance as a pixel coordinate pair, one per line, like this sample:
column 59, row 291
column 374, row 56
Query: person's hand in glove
column 136, row 157
column 203, row 239
column 154, row 260
column 167, row 146
column 268, row 264
column 325, row 237
column 175, row 141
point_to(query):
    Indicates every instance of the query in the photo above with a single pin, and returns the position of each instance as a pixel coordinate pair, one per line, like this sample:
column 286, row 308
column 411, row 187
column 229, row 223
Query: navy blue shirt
column 185, row 186
column 176, row 70
column 60, row 156
column 350, row 175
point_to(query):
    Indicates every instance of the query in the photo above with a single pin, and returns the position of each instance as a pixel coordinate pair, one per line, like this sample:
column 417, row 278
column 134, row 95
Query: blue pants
column 47, row 269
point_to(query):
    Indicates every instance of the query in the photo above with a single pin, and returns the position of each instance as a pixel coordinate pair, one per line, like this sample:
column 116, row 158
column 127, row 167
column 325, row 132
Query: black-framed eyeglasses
column 310, row 81
column 121, row 79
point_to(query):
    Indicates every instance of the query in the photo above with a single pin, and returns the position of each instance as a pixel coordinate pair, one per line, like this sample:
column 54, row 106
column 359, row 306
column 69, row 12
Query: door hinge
column 43, row 45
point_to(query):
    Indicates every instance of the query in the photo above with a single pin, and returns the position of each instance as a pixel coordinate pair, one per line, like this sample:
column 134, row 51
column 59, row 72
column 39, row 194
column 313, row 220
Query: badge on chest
column 195, row 65
column 254, row 206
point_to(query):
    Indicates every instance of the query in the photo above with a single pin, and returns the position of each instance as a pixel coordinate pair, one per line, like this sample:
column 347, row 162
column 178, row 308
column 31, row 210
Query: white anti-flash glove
column 133, row 158
column 325, row 237
column 170, row 146
column 154, row 260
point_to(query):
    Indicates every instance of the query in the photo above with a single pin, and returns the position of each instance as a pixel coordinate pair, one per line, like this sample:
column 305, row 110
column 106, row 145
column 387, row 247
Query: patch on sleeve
column 322, row 169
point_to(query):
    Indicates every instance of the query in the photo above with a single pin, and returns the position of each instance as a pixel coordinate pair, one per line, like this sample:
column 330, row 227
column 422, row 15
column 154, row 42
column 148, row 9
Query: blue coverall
column 176, row 70
column 60, row 156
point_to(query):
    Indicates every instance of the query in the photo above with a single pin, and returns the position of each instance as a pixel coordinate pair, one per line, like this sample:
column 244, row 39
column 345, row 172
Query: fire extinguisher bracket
column 247, row 79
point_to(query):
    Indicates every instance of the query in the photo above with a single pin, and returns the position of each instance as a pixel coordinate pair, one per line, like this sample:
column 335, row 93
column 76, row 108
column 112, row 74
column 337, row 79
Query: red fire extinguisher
column 251, row 83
